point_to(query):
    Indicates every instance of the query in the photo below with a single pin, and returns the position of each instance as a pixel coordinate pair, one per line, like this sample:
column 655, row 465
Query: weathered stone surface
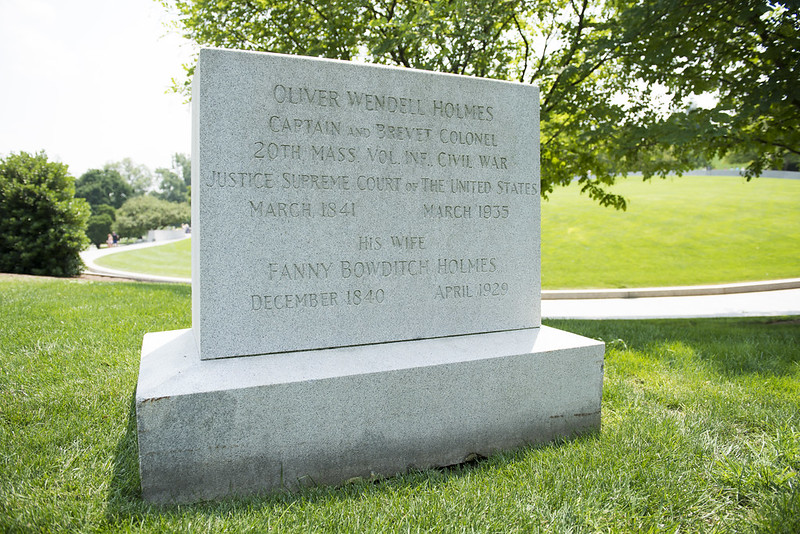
column 209, row 428
column 337, row 204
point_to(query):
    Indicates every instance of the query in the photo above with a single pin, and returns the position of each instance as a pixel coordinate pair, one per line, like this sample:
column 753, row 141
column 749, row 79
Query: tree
column 747, row 53
column 616, row 77
column 182, row 164
column 141, row 214
column 138, row 177
column 171, row 186
column 41, row 222
column 103, row 187
column 175, row 183
column 100, row 223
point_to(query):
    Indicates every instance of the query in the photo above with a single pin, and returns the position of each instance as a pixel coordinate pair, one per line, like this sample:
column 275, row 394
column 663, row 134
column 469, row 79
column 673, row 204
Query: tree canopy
column 138, row 177
column 98, row 228
column 143, row 213
column 100, row 187
column 746, row 53
column 175, row 183
column 619, row 80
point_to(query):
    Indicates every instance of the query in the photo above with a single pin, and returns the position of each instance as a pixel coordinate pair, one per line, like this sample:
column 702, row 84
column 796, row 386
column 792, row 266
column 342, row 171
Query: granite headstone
column 365, row 283
column 338, row 204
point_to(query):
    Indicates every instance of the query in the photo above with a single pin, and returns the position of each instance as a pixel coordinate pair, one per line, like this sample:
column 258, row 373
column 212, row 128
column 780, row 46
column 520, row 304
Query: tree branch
column 570, row 54
column 527, row 47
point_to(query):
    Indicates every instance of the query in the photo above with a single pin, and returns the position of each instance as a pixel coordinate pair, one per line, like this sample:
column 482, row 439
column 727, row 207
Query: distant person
column 110, row 240
column 115, row 238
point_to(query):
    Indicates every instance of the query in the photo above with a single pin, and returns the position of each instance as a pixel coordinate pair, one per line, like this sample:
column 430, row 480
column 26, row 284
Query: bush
column 99, row 228
column 41, row 222
column 141, row 214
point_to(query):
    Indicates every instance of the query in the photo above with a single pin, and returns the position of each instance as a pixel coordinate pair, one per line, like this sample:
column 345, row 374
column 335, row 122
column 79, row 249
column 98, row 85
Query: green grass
column 170, row 259
column 701, row 433
column 679, row 231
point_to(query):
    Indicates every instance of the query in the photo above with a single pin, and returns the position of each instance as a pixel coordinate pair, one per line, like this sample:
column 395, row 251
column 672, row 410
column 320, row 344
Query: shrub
column 99, row 228
column 140, row 214
column 41, row 222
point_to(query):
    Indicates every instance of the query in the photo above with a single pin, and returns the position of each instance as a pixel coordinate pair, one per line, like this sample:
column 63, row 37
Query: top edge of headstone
column 210, row 50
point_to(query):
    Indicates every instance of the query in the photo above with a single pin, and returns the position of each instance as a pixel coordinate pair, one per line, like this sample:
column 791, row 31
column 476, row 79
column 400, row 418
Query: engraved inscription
column 280, row 209
column 462, row 110
column 402, row 133
column 305, row 96
column 368, row 269
column 409, row 242
column 293, row 301
column 276, row 151
column 368, row 242
column 442, row 135
column 446, row 211
column 333, row 200
column 488, row 289
column 298, row 271
column 278, row 124
column 418, row 139
column 321, row 182
column 456, row 137
column 334, row 153
column 387, row 103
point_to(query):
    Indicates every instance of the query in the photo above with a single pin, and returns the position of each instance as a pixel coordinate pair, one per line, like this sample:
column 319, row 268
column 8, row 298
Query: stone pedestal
column 211, row 428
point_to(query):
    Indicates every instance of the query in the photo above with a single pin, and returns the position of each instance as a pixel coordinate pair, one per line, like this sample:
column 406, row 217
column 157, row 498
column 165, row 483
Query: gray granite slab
column 337, row 204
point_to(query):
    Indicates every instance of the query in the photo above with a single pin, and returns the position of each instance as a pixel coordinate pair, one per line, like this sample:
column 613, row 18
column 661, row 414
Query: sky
column 86, row 81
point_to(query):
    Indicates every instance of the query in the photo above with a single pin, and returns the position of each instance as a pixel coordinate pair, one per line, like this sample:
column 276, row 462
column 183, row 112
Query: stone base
column 236, row 426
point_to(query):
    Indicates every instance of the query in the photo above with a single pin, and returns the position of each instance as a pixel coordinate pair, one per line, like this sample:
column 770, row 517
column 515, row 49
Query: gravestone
column 365, row 283
column 343, row 205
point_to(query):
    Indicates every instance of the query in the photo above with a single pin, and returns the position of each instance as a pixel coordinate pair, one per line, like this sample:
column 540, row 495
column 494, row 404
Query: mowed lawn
column 701, row 433
column 678, row 231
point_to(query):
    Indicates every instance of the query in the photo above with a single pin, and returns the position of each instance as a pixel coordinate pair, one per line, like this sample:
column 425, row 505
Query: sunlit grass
column 170, row 259
column 701, row 433
column 679, row 231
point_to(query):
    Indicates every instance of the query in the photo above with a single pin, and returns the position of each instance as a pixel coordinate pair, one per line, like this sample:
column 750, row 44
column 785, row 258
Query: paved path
column 749, row 299
column 755, row 299
column 92, row 253
column 754, row 304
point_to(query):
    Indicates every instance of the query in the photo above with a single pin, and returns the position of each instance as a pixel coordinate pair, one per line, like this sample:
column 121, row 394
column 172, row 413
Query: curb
column 138, row 277
column 677, row 291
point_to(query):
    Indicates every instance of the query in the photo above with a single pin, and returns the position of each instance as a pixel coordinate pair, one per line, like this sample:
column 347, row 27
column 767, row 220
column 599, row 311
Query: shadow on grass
column 727, row 346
